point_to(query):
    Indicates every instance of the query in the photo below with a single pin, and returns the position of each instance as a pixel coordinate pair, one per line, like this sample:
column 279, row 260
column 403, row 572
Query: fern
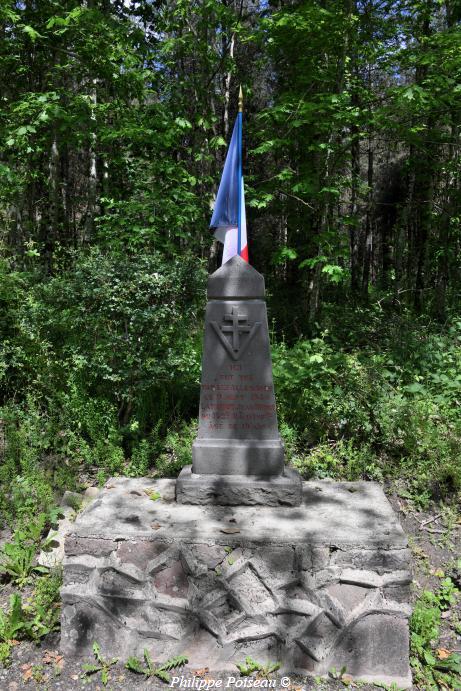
column 150, row 670
column 172, row 663
column 249, row 666
column 102, row 665
column 164, row 676
column 134, row 665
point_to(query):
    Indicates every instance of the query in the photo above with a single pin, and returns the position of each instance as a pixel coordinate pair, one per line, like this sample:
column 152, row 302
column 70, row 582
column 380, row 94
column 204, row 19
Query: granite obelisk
column 238, row 456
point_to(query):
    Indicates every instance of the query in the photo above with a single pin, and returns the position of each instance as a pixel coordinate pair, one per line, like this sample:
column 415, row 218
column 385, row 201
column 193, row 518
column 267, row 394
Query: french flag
column 229, row 218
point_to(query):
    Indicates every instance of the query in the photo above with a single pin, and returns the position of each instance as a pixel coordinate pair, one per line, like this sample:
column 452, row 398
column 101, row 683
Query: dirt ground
column 435, row 541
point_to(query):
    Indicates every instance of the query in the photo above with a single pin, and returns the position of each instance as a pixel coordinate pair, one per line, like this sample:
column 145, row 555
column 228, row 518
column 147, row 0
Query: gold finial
column 241, row 100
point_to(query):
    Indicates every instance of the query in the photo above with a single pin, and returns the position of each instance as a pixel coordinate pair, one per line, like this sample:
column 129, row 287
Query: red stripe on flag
column 244, row 253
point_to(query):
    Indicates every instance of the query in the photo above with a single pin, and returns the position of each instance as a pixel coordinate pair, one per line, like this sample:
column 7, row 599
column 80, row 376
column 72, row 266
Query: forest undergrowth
column 373, row 395
column 114, row 125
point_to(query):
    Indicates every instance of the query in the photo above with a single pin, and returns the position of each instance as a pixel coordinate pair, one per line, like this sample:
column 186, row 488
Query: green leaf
column 31, row 32
column 173, row 662
column 161, row 674
column 148, row 660
column 41, row 569
column 416, row 387
column 285, row 254
column 134, row 665
column 429, row 658
column 97, row 650
column 335, row 273
column 216, row 142
column 450, row 664
column 183, row 123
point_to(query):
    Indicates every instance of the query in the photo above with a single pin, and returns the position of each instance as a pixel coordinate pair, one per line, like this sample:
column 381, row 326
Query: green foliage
column 249, row 666
column 154, row 495
column 13, row 623
column 29, row 621
column 102, row 665
column 5, row 651
column 17, row 562
column 46, row 602
column 98, row 399
column 430, row 671
column 339, row 459
column 150, row 669
column 145, row 451
column 89, row 323
column 376, row 409
column 17, row 557
column 140, row 460
column 329, row 385
column 177, row 449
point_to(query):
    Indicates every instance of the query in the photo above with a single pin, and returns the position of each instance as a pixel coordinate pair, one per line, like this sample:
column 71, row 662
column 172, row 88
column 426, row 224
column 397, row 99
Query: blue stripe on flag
column 226, row 208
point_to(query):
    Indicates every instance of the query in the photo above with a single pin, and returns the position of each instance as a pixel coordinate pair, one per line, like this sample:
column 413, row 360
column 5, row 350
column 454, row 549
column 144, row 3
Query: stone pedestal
column 322, row 585
column 238, row 445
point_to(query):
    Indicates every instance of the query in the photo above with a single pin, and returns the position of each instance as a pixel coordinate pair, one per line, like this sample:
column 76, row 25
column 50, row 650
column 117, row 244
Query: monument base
column 322, row 585
column 235, row 490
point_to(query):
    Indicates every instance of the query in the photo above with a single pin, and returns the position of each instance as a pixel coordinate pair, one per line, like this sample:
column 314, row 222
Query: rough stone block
column 232, row 490
column 375, row 648
column 322, row 585
column 98, row 547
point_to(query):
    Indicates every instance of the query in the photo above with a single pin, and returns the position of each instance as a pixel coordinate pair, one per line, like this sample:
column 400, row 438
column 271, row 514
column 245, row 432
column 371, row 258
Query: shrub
column 366, row 414
column 177, row 449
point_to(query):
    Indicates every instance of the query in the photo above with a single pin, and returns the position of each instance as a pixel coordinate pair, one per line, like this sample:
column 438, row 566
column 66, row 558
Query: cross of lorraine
column 235, row 324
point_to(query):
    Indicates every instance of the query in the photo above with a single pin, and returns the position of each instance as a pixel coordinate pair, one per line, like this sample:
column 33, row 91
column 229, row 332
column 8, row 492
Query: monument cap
column 234, row 280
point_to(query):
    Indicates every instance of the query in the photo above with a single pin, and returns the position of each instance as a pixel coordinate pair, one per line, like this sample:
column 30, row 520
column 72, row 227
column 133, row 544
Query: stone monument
column 238, row 556
column 238, row 456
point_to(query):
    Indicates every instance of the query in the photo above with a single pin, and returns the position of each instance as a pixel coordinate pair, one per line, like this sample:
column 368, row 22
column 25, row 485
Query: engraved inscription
column 236, row 402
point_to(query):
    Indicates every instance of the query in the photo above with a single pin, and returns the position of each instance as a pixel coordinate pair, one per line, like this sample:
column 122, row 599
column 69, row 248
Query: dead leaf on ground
column 53, row 657
column 27, row 672
column 50, row 656
column 201, row 672
column 442, row 653
column 14, row 642
column 348, row 680
column 230, row 531
column 155, row 526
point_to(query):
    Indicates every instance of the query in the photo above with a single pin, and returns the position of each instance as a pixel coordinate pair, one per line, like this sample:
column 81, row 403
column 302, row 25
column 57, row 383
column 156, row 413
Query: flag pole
column 240, row 118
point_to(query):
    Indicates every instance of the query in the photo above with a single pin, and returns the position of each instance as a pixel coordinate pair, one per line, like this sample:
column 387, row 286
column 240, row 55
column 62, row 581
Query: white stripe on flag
column 228, row 235
column 243, row 222
column 230, row 244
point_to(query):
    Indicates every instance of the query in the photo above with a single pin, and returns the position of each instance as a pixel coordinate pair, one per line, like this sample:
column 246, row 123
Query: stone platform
column 322, row 585
column 233, row 490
